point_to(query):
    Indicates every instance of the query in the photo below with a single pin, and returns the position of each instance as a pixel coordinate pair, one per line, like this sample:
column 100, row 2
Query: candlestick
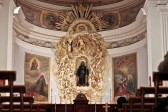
column 95, row 102
column 55, row 102
column 107, row 97
column 90, row 98
column 51, row 89
column 110, row 95
column 101, row 95
column 65, row 107
column 95, row 106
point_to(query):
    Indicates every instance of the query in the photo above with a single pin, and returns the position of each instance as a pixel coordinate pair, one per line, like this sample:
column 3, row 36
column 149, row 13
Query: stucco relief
column 111, row 45
column 36, row 42
column 126, row 42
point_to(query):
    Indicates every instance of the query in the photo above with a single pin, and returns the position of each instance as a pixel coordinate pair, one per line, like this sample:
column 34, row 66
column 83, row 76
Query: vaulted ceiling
column 117, row 13
column 74, row 2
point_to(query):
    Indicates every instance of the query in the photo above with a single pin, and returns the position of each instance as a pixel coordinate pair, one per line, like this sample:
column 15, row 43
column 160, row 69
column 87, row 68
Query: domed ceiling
column 74, row 2
column 116, row 13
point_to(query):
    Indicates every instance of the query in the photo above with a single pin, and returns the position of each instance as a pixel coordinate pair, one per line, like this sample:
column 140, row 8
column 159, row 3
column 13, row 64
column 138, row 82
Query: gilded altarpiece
column 81, row 45
column 37, row 76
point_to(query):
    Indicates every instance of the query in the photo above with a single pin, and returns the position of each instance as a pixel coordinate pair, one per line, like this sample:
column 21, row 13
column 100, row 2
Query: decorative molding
column 36, row 42
column 149, row 3
column 111, row 45
column 154, row 3
column 126, row 42
column 35, row 48
column 163, row 8
column 129, row 48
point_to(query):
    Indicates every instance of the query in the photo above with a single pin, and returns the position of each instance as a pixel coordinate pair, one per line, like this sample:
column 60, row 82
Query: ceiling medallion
column 83, row 12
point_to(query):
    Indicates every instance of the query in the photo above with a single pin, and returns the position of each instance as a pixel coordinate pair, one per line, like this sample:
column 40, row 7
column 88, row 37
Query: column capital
column 154, row 3
column 163, row 8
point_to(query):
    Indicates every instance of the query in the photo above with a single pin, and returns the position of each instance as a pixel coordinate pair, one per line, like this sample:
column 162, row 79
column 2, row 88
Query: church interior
column 83, row 55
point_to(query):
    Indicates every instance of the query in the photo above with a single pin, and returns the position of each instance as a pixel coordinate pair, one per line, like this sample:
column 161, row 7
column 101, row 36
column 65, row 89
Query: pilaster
column 163, row 11
column 156, row 33
column 10, row 45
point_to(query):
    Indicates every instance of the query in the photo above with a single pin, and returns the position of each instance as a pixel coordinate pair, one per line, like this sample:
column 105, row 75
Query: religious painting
column 125, row 75
column 37, row 76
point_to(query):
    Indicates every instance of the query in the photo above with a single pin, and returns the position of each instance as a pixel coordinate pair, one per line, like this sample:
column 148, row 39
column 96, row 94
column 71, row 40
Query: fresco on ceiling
column 74, row 2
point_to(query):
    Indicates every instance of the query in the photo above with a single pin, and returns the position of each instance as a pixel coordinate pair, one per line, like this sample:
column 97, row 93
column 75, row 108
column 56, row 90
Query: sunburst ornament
column 83, row 12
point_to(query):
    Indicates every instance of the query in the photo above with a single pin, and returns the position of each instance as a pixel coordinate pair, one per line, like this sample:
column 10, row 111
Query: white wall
column 4, row 33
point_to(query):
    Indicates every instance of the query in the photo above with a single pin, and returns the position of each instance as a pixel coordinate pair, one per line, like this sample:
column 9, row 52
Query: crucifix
column 106, row 107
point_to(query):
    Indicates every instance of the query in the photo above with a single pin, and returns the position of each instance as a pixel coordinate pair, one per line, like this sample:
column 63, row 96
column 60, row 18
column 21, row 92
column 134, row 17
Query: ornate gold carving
column 81, row 12
column 81, row 43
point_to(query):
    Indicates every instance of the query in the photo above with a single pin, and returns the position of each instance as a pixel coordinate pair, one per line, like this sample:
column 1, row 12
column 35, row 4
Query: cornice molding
column 150, row 3
column 155, row 3
column 163, row 8
column 127, row 42
column 34, row 47
column 129, row 48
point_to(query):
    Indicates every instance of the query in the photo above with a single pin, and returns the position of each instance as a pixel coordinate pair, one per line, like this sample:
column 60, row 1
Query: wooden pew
column 157, row 78
column 11, row 89
column 16, row 99
column 150, row 90
column 11, row 77
column 141, row 102
column 16, row 89
column 134, row 103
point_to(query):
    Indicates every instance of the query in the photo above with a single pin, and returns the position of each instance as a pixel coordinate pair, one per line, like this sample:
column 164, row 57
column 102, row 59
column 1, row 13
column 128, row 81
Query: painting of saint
column 37, row 76
column 125, row 75
column 34, row 64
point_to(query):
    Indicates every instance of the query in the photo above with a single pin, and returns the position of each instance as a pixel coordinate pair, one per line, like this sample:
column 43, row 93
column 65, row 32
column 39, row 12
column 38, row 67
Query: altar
column 70, row 107
column 80, row 105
